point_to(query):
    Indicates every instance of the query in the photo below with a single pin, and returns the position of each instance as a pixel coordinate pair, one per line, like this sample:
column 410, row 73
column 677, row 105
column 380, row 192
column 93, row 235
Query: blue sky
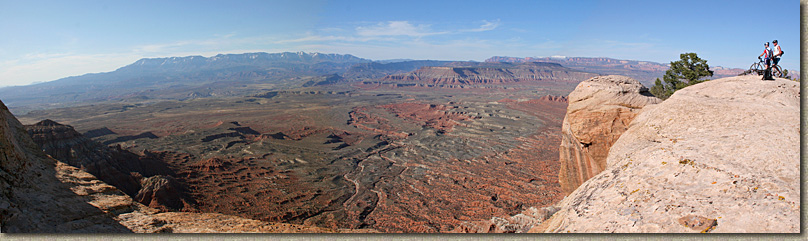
column 48, row 40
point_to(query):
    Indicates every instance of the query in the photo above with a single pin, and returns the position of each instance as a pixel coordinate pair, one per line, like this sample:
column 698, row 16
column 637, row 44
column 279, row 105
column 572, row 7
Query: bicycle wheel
column 777, row 71
column 756, row 67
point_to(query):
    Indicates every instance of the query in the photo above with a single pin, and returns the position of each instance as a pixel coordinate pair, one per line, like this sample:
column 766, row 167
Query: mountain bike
column 760, row 66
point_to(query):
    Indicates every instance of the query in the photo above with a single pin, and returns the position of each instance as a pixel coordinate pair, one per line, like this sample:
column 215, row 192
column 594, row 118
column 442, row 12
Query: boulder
column 719, row 156
column 599, row 111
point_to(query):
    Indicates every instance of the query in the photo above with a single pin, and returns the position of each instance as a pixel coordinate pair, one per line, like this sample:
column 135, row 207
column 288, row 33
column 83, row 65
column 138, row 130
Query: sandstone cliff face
column 599, row 111
column 720, row 156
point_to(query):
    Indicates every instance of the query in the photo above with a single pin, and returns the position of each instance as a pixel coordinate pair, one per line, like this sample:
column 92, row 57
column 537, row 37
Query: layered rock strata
column 719, row 156
column 599, row 111
column 163, row 192
column 487, row 75
column 39, row 194
column 64, row 143
column 113, row 165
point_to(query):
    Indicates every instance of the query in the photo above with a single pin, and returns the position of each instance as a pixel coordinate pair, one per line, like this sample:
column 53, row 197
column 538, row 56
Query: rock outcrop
column 39, row 194
column 562, row 99
column 519, row 223
column 113, row 165
column 599, row 111
column 164, row 193
column 719, row 156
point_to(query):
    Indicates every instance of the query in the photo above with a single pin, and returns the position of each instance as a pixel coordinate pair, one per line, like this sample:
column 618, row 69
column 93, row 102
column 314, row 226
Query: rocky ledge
column 599, row 111
column 39, row 194
column 720, row 156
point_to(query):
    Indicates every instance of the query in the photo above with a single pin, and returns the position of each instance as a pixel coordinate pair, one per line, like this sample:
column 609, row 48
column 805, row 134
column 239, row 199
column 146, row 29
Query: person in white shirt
column 777, row 52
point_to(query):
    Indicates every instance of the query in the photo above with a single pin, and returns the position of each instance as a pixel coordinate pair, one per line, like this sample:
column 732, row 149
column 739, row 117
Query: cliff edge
column 719, row 156
column 599, row 111
column 39, row 194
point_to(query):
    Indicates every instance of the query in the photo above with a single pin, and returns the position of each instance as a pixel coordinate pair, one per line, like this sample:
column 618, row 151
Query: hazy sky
column 47, row 40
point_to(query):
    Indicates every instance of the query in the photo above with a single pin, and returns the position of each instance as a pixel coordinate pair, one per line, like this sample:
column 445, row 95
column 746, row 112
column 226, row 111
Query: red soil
column 427, row 115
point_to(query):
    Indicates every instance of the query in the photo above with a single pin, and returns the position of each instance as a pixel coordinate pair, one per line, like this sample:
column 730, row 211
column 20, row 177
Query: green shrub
column 689, row 70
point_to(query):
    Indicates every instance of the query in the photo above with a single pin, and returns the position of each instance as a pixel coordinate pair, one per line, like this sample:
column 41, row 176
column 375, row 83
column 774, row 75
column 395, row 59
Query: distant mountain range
column 472, row 73
column 181, row 78
column 224, row 61
column 644, row 71
column 376, row 70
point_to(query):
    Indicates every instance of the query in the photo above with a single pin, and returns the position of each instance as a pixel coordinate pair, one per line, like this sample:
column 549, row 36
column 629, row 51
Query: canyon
column 372, row 151
column 44, row 195
column 335, row 143
column 340, row 155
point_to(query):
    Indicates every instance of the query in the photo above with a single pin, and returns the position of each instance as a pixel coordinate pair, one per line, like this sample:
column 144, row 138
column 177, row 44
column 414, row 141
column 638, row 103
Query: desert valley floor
column 389, row 158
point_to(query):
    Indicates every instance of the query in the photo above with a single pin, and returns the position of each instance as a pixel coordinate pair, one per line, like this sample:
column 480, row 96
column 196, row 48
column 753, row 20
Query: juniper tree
column 689, row 70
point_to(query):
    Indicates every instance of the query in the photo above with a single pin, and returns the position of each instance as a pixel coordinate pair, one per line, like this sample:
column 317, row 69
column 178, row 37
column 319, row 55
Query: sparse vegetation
column 785, row 75
column 689, row 70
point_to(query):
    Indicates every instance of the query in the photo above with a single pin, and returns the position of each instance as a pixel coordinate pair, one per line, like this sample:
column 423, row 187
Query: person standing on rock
column 777, row 52
column 767, row 55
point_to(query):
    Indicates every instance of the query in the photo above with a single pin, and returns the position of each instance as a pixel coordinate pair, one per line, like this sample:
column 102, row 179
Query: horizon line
column 373, row 60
